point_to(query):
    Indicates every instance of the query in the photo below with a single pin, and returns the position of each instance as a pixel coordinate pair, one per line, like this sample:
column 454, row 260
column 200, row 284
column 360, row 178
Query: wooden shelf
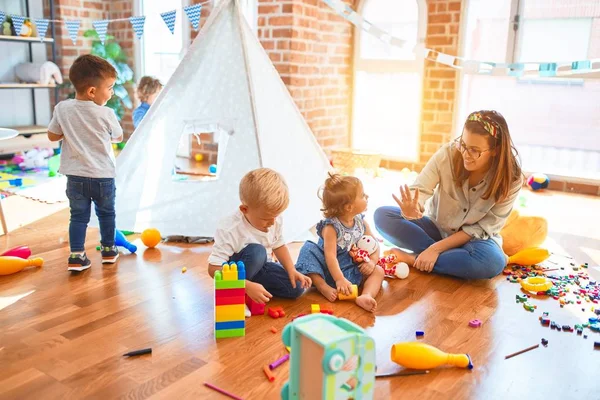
column 29, row 129
column 21, row 143
column 5, row 38
column 25, row 86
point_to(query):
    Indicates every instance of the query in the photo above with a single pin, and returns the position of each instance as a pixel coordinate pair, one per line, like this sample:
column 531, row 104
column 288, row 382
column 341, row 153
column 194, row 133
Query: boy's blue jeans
column 271, row 275
column 81, row 193
column 477, row 259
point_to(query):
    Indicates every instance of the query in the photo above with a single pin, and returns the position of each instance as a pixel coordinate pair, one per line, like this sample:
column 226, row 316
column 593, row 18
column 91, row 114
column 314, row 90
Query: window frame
column 383, row 66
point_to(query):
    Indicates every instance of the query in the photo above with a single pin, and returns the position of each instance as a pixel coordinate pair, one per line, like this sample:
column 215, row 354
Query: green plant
column 112, row 52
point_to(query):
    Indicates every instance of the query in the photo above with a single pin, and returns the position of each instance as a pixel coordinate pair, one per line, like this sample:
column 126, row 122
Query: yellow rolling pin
column 353, row 294
column 417, row 355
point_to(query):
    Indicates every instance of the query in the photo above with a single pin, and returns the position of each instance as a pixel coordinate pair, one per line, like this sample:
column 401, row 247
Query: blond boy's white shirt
column 234, row 233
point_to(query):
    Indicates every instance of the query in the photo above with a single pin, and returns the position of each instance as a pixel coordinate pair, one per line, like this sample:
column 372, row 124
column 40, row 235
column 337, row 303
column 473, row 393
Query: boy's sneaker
column 110, row 255
column 79, row 262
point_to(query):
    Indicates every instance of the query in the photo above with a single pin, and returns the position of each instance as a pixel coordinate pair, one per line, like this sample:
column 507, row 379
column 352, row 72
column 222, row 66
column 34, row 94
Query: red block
column 254, row 307
column 226, row 301
column 230, row 292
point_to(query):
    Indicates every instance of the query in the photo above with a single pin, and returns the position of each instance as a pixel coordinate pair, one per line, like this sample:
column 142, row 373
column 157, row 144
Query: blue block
column 230, row 325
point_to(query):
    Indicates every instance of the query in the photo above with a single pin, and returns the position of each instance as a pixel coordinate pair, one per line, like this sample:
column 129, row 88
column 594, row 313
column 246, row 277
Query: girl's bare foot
column 402, row 256
column 367, row 302
column 327, row 291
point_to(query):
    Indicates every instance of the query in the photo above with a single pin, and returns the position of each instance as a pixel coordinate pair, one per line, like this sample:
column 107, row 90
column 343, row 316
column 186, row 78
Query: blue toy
column 122, row 242
column 212, row 169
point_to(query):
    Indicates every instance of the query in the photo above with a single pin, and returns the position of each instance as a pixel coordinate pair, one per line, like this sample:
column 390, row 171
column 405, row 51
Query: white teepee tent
column 225, row 81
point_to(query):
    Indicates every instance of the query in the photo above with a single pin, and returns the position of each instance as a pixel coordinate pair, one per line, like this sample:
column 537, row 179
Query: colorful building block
column 254, row 307
column 276, row 312
column 230, row 293
column 315, row 308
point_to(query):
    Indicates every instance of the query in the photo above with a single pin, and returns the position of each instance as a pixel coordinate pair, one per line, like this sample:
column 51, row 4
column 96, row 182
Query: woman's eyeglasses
column 472, row 152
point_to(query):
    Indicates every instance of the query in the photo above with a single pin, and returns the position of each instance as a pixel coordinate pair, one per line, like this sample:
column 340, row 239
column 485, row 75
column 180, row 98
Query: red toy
column 21, row 252
column 254, row 307
column 276, row 312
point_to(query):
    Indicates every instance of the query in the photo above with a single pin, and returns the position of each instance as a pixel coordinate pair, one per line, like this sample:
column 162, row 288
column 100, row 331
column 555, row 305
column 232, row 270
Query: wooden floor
column 62, row 336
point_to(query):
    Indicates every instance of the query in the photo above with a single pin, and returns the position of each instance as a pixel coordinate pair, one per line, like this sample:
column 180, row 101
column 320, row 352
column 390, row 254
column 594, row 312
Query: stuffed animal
column 34, row 158
column 367, row 246
column 6, row 28
column 43, row 73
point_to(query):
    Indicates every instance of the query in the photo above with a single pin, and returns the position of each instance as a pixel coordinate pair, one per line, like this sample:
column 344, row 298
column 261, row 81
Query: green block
column 229, row 333
column 239, row 284
column 127, row 233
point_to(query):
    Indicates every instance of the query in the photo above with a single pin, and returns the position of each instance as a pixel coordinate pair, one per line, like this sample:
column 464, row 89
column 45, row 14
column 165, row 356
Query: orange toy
column 10, row 265
column 423, row 356
column 151, row 237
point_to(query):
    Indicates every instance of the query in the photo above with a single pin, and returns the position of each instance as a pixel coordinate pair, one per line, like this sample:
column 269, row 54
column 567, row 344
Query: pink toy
column 474, row 323
column 254, row 307
column 34, row 158
column 21, row 252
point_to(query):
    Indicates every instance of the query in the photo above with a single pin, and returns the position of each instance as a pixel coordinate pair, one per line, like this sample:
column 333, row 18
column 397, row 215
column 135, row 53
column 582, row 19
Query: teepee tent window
column 201, row 146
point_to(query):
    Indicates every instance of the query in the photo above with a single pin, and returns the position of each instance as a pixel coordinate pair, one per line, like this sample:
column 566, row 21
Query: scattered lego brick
column 315, row 308
column 420, row 333
column 276, row 312
column 545, row 342
column 273, row 329
column 474, row 323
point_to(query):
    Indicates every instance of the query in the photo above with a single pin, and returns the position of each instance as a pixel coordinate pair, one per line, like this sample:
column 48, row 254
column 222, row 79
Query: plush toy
column 34, row 158
column 43, row 73
column 538, row 181
column 367, row 246
column 26, row 29
column 523, row 232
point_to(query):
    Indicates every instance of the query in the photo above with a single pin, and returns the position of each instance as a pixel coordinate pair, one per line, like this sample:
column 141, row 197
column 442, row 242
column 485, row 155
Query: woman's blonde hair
column 147, row 87
column 338, row 192
column 264, row 187
column 505, row 165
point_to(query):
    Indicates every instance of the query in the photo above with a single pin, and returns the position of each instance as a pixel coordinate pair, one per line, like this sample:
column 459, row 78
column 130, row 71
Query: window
column 161, row 51
column 553, row 121
column 201, row 148
column 388, row 80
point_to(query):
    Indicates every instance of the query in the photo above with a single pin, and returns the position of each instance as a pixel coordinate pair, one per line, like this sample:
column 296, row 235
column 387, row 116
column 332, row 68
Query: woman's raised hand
column 408, row 204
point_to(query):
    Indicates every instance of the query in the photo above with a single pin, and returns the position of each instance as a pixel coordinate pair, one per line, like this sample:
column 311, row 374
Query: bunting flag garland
column 169, row 18
column 138, row 25
column 42, row 27
column 570, row 69
column 101, row 27
column 73, row 28
column 578, row 68
column 18, row 23
column 193, row 14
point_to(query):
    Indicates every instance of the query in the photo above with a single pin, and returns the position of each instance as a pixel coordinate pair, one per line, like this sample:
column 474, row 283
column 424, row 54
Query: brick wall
column 311, row 48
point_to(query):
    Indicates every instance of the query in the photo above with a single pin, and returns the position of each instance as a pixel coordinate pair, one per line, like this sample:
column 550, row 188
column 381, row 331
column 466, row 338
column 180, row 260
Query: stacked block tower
column 230, row 290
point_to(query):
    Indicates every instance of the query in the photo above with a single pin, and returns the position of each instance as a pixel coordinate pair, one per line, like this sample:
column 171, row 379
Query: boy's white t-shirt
column 234, row 233
column 87, row 130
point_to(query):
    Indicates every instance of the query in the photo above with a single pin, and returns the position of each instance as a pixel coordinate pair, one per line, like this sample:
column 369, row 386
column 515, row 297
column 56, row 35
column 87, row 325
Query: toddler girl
column 147, row 92
column 328, row 263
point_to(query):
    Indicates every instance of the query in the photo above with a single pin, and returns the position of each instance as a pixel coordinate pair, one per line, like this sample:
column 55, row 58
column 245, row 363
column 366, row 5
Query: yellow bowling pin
column 10, row 265
column 417, row 355
column 531, row 256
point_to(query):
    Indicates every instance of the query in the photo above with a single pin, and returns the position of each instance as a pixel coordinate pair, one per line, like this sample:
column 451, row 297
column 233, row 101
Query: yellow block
column 315, row 308
column 234, row 312
column 230, row 272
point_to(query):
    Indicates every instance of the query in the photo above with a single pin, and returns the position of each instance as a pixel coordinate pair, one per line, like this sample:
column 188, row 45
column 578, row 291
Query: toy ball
column 198, row 157
column 401, row 270
column 151, row 237
column 538, row 181
column 212, row 169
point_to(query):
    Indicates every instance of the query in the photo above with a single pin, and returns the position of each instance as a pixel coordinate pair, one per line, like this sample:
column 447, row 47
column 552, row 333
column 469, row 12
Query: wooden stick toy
column 224, row 392
column 522, row 351
column 138, row 352
column 277, row 363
